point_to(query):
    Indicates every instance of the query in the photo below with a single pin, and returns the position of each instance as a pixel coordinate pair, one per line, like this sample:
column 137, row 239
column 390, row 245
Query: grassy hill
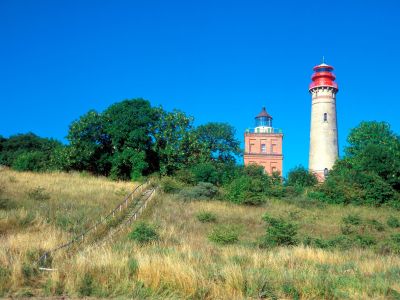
column 342, row 251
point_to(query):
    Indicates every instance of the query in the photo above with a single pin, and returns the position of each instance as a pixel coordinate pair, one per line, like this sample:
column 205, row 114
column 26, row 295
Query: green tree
column 219, row 141
column 90, row 146
column 22, row 145
column 175, row 145
column 128, row 164
column 374, row 147
column 129, row 125
column 301, row 177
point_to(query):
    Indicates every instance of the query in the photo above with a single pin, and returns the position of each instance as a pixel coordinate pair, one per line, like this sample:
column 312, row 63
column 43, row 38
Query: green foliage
column 219, row 141
column 133, row 266
column 300, row 177
column 7, row 204
column 364, row 241
column 38, row 194
column 247, row 190
column 170, row 185
column 30, row 161
column 28, row 152
column 224, row 235
column 206, row 217
column 370, row 172
column 378, row 226
column 345, row 184
column 393, row 222
column 86, row 287
column 175, row 144
column 279, row 233
column 144, row 233
column 128, row 164
column 205, row 172
column 352, row 219
column 202, row 191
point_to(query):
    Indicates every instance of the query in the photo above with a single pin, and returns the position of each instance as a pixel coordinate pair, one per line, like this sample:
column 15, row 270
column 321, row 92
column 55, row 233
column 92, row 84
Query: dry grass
column 184, row 264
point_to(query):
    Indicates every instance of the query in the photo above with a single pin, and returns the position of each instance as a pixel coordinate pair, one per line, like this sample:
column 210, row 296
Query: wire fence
column 132, row 216
column 129, row 199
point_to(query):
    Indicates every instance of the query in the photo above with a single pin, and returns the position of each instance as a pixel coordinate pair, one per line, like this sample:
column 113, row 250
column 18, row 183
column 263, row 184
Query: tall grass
column 183, row 263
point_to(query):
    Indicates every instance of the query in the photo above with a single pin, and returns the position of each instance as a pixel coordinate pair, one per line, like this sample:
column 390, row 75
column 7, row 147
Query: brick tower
column 323, row 134
column 263, row 144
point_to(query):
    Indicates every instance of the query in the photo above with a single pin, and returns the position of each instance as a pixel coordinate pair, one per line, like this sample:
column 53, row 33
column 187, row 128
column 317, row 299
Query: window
column 273, row 148
column 263, row 148
column 326, row 172
column 325, row 117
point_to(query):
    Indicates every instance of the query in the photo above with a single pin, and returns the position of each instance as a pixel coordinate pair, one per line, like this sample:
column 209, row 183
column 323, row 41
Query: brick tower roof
column 263, row 113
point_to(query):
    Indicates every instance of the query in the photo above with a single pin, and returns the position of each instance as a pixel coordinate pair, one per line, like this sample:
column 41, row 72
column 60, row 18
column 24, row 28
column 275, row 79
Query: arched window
column 326, row 172
column 325, row 117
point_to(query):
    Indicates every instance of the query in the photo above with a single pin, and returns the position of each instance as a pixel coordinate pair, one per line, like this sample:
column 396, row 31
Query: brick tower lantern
column 263, row 144
column 323, row 134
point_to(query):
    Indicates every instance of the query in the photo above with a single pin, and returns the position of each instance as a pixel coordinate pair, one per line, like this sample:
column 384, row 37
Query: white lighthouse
column 324, row 149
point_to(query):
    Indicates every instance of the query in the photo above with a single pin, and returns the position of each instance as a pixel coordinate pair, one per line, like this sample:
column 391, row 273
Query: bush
column 38, row 194
column 393, row 222
column 144, row 233
column 341, row 242
column 301, row 177
column 378, row 226
column 365, row 241
column 279, row 233
column 206, row 217
column 186, row 176
column 86, row 285
column 170, row 185
column 202, row 191
column 7, row 204
column 246, row 190
column 352, row 220
column 205, row 172
column 224, row 235
column 133, row 266
column 30, row 161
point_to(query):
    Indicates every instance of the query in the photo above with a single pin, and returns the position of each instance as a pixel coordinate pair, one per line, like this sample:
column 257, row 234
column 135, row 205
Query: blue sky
column 216, row 60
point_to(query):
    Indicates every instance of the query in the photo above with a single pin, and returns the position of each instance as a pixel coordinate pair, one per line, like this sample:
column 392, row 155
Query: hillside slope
column 184, row 263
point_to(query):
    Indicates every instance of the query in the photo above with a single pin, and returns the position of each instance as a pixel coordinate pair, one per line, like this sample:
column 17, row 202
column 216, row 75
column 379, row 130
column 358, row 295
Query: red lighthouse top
column 323, row 76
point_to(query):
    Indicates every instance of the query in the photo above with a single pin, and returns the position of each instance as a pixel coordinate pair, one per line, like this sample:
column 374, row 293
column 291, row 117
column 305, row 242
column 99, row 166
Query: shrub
column 301, row 177
column 246, row 190
column 86, row 285
column 279, row 233
column 365, row 241
column 38, row 194
column 7, row 204
column 202, row 191
column 205, row 172
column 144, row 233
column 133, row 266
column 206, row 217
column 186, row 176
column 393, row 222
column 224, row 235
column 170, row 185
column 30, row 161
column 352, row 219
column 378, row 226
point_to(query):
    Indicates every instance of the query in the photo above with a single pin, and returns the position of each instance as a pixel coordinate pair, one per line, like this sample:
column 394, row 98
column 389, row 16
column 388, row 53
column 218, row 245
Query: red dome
column 323, row 76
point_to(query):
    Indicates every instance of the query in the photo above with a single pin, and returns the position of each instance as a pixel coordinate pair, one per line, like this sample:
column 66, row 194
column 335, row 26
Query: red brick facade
column 264, row 149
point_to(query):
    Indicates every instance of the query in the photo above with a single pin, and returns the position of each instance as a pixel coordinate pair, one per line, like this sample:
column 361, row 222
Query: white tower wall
column 324, row 149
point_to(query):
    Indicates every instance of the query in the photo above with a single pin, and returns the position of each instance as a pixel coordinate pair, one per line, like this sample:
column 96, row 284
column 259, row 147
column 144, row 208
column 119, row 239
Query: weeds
column 144, row 233
column 224, row 235
column 38, row 194
column 393, row 222
column 206, row 217
column 279, row 233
